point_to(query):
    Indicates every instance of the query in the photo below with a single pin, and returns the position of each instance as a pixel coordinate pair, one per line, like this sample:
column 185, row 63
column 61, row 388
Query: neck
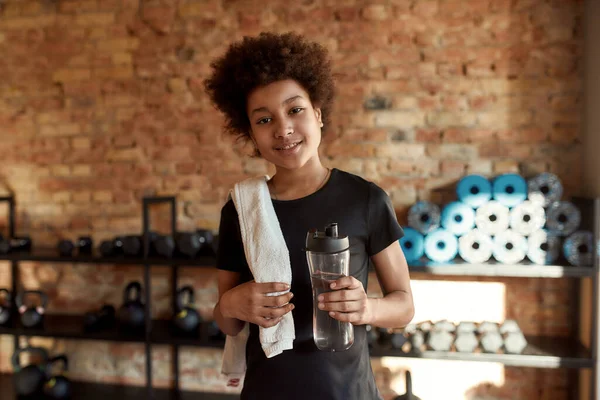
column 289, row 184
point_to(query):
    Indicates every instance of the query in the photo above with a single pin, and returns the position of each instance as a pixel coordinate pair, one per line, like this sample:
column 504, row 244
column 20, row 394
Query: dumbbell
column 21, row 243
column 188, row 244
column 163, row 246
column 440, row 337
column 415, row 335
column 372, row 335
column 207, row 241
column 132, row 245
column 466, row 339
column 490, row 338
column 514, row 340
column 112, row 248
column 83, row 245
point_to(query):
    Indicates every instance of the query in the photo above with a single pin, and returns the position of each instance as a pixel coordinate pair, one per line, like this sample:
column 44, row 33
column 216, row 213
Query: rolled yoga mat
column 413, row 244
column 475, row 246
column 509, row 189
column 544, row 189
column 492, row 218
column 527, row 218
column 563, row 218
column 441, row 246
column 579, row 248
column 458, row 218
column 509, row 247
column 424, row 216
column 474, row 190
column 543, row 247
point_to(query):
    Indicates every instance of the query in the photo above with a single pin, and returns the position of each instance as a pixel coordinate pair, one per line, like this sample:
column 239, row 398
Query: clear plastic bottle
column 328, row 257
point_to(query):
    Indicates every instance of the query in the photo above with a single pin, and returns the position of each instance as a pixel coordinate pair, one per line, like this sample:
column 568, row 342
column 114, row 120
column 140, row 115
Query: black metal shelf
column 495, row 269
column 51, row 255
column 457, row 268
column 71, row 327
column 101, row 391
column 541, row 352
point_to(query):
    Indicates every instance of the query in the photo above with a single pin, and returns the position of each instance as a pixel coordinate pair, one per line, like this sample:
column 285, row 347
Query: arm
column 396, row 308
column 249, row 302
column 243, row 302
column 227, row 280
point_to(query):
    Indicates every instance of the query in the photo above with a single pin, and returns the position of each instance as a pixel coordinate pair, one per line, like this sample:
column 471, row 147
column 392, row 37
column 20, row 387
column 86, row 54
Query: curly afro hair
column 257, row 61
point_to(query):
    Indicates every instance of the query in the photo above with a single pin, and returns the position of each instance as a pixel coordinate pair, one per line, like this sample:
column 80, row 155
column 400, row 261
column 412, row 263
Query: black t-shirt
column 364, row 212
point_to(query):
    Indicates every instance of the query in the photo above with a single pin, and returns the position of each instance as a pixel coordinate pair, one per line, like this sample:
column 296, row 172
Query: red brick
column 453, row 168
column 428, row 135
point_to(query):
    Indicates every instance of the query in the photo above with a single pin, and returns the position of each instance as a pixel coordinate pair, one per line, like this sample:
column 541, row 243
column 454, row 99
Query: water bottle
column 328, row 256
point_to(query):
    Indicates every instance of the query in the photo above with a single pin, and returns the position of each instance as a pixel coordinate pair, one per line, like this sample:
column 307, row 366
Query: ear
column 318, row 115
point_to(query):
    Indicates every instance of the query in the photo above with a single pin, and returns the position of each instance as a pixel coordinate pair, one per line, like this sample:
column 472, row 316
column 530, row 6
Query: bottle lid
column 327, row 241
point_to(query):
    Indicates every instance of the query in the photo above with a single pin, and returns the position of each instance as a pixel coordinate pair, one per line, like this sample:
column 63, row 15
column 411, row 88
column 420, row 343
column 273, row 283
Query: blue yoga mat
column 509, row 189
column 474, row 190
column 424, row 216
column 413, row 244
column 441, row 246
column 458, row 218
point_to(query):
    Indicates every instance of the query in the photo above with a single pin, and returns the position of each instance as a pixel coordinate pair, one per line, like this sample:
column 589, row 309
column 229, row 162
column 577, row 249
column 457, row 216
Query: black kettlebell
column 132, row 315
column 104, row 318
column 5, row 307
column 32, row 316
column 29, row 380
column 58, row 386
column 409, row 394
column 186, row 318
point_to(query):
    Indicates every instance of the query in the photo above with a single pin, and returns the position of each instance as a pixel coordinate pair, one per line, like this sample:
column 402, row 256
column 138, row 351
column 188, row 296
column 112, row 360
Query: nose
column 283, row 128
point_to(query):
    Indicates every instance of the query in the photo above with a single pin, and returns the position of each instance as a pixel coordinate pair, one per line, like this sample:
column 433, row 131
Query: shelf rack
column 541, row 352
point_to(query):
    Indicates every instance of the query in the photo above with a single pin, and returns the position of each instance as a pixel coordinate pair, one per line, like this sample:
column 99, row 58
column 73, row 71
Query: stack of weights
column 506, row 218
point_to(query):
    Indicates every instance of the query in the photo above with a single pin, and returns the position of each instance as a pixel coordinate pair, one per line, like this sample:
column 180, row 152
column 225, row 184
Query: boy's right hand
column 251, row 302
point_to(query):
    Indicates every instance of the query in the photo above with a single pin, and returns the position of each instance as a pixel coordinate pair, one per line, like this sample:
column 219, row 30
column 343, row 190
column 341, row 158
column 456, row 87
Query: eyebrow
column 287, row 101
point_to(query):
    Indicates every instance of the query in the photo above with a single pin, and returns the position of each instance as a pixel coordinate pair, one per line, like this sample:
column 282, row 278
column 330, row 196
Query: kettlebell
column 58, row 386
column 5, row 307
column 132, row 315
column 409, row 394
column 98, row 320
column 32, row 316
column 186, row 318
column 29, row 380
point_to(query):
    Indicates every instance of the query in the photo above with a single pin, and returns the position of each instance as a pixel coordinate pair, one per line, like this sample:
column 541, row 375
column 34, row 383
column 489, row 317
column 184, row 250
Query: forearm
column 394, row 310
column 229, row 326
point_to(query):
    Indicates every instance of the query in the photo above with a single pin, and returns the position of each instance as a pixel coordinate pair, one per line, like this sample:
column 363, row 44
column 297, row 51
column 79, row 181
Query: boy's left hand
column 347, row 301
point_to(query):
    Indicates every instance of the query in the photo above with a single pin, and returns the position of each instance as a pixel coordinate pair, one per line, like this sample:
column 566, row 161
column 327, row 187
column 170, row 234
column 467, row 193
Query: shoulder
column 358, row 184
column 228, row 210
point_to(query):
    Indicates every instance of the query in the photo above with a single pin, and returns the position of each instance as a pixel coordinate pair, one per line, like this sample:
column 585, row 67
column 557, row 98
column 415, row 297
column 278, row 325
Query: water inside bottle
column 330, row 334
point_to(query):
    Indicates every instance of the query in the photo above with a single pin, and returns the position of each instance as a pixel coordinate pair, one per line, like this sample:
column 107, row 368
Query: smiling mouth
column 289, row 146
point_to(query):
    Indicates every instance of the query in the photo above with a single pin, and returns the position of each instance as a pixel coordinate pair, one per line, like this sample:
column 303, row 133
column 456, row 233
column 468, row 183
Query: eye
column 263, row 121
column 296, row 110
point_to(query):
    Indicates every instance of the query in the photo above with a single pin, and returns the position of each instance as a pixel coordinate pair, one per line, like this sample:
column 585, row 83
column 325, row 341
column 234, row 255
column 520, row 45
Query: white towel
column 269, row 261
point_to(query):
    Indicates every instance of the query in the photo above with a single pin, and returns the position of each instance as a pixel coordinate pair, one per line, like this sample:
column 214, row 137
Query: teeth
column 289, row 147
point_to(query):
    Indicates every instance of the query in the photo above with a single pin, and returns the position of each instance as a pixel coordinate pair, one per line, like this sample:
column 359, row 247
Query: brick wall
column 101, row 103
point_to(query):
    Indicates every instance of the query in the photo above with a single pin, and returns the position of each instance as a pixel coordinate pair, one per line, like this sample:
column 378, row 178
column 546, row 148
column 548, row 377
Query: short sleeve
column 230, row 253
column 383, row 225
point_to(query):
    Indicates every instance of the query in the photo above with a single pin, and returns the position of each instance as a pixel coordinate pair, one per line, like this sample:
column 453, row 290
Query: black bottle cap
column 327, row 241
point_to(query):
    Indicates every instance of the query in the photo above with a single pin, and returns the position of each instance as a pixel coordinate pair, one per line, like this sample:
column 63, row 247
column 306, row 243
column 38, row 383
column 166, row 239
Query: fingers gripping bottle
column 328, row 256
